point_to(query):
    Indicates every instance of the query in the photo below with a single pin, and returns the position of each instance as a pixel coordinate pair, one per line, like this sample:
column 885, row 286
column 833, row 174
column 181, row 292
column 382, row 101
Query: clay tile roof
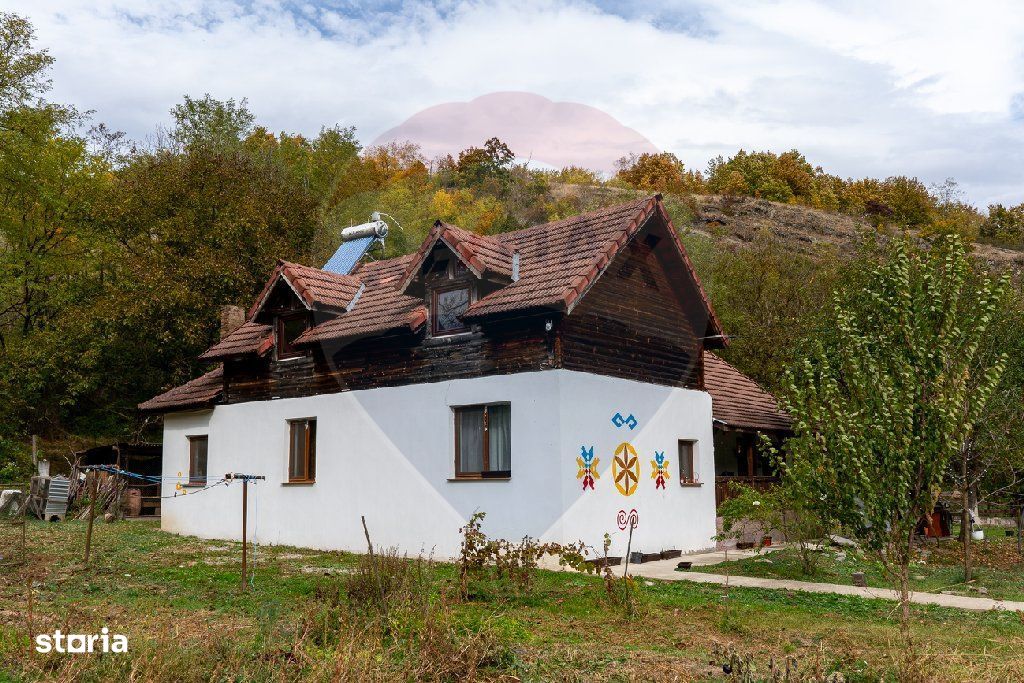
column 250, row 338
column 739, row 401
column 483, row 255
column 318, row 289
column 381, row 307
column 201, row 392
column 560, row 260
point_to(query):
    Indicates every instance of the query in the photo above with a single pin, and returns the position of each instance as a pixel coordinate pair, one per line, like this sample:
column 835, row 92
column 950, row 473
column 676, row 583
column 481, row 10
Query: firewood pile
column 108, row 497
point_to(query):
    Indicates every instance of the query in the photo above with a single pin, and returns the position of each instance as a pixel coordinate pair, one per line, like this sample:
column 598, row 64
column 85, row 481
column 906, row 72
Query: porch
column 739, row 460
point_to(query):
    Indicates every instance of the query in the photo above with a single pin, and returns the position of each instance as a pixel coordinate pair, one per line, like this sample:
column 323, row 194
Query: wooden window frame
column 191, row 454
column 434, row 293
column 485, row 472
column 694, row 478
column 310, row 450
column 284, row 348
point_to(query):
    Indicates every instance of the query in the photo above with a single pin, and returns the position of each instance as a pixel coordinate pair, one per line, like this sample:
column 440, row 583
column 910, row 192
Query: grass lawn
column 998, row 568
column 177, row 600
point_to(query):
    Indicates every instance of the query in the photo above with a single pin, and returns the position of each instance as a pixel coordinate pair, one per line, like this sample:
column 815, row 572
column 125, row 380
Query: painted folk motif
column 659, row 469
column 626, row 469
column 619, row 421
column 588, row 467
column 630, row 520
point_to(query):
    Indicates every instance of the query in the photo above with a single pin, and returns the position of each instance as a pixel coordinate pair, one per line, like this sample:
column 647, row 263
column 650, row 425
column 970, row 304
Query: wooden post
column 92, row 515
column 245, row 515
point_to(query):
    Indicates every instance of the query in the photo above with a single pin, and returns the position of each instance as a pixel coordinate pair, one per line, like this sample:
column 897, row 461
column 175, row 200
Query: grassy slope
column 177, row 599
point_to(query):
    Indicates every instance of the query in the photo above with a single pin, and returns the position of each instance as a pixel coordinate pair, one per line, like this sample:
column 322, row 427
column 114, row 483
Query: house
column 552, row 377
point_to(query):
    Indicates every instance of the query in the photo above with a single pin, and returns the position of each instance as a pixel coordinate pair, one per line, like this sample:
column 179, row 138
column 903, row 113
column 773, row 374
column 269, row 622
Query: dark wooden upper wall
column 634, row 322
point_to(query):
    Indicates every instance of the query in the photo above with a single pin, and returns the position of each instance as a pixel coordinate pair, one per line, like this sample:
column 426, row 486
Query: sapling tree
column 879, row 399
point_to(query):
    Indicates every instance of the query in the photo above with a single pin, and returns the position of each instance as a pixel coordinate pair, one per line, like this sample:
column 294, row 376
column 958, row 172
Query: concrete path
column 665, row 570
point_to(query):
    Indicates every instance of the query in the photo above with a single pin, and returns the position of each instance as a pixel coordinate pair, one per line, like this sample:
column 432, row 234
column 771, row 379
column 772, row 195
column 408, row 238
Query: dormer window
column 289, row 327
column 446, row 310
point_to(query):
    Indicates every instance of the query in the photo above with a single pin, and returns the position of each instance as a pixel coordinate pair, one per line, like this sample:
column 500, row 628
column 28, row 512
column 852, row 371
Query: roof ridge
column 578, row 217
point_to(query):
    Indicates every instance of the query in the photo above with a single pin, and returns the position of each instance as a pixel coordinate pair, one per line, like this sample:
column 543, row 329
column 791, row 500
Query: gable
column 293, row 286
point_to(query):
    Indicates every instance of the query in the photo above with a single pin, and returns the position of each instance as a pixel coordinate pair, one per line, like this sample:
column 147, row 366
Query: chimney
column 231, row 318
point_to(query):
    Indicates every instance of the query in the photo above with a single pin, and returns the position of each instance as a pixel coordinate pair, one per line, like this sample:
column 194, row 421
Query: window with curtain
column 302, row 451
column 483, row 441
column 198, row 447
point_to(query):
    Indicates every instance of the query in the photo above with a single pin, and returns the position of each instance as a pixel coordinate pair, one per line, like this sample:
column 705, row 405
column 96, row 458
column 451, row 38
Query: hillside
column 803, row 229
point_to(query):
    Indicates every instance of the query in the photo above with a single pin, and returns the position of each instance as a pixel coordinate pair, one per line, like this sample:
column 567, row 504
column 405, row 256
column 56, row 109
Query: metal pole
column 92, row 515
column 245, row 514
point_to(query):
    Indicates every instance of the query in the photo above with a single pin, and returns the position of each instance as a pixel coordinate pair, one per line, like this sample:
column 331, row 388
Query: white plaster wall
column 675, row 517
column 388, row 454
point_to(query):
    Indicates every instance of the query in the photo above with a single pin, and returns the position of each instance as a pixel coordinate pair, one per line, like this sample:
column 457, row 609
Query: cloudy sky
column 929, row 89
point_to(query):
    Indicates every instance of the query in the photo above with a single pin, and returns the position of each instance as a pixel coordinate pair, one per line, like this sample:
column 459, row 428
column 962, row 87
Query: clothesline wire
column 155, row 479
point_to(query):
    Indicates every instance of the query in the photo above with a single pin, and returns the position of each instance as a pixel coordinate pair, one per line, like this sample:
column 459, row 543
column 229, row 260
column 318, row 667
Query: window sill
column 297, row 483
column 691, row 484
column 479, row 478
column 195, row 484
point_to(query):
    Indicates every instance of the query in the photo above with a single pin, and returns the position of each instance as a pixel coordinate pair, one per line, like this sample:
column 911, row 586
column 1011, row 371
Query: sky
column 928, row 89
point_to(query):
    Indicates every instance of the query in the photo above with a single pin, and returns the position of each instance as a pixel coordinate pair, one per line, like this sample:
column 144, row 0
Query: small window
column 198, row 447
column 289, row 327
column 446, row 311
column 483, row 441
column 302, row 451
column 687, row 473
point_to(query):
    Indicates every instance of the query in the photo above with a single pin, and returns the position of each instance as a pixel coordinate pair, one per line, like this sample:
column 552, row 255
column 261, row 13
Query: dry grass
column 394, row 618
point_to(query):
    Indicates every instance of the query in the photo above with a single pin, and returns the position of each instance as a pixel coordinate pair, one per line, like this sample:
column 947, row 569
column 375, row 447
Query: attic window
column 289, row 327
column 446, row 309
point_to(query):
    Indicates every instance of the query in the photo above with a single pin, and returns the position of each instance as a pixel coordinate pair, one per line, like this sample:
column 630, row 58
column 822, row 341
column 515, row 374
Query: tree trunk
column 1020, row 528
column 965, row 518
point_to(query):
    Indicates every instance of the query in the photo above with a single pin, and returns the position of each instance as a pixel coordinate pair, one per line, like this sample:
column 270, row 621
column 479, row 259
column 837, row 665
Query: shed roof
column 201, row 392
column 740, row 402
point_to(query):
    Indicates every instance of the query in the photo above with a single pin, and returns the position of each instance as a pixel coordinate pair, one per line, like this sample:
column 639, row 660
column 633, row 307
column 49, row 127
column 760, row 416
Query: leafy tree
column 880, row 402
column 489, row 165
column 23, row 69
column 779, row 178
column 768, row 298
column 1004, row 224
column 211, row 122
column 990, row 463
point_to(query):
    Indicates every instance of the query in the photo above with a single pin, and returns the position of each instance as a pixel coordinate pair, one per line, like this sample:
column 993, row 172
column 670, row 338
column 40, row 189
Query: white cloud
column 872, row 88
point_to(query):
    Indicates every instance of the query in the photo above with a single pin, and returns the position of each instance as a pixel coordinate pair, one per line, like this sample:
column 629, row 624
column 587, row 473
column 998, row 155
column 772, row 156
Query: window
column 483, row 441
column 302, row 451
column 687, row 473
column 446, row 310
column 198, row 447
column 289, row 327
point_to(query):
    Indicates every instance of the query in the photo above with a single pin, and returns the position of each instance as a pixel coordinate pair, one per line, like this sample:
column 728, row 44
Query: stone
column 840, row 557
column 841, row 541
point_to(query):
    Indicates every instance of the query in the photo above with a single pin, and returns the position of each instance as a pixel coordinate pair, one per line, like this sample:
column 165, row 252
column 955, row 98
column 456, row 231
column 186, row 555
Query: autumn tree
column 661, row 172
